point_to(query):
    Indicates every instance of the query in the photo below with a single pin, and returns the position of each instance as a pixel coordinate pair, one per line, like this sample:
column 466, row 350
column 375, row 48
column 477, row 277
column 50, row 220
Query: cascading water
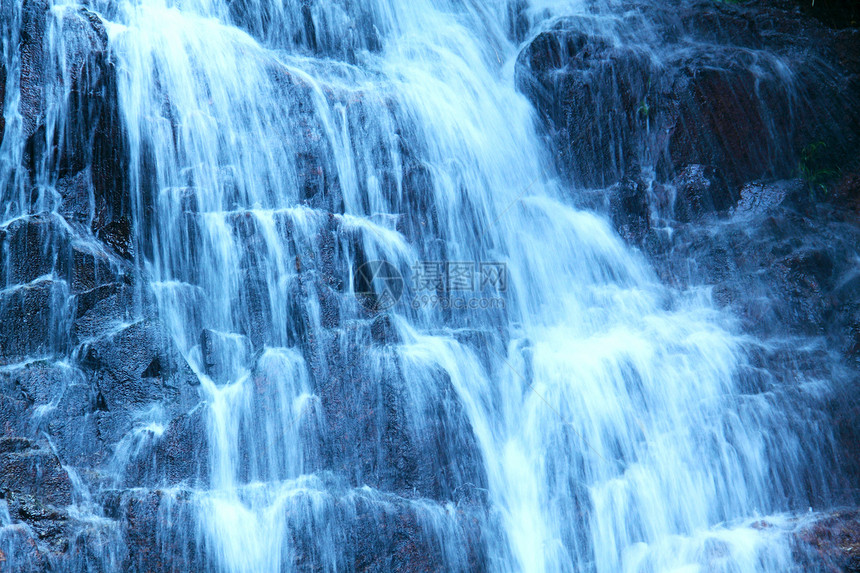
column 582, row 417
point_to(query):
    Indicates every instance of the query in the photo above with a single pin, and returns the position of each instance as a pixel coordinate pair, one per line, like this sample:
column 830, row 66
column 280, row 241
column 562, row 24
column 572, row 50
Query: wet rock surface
column 830, row 544
column 87, row 375
column 399, row 546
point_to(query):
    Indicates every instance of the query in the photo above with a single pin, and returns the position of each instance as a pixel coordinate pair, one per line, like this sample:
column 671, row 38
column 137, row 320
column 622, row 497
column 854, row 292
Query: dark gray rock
column 102, row 309
column 758, row 198
column 698, row 191
column 150, row 547
column 32, row 247
column 139, row 365
column 35, row 471
column 65, row 405
column 630, row 209
column 91, row 148
column 177, row 454
column 77, row 198
column 775, row 266
column 400, row 541
column 118, row 234
column 403, row 539
column 786, row 267
column 55, row 401
column 371, row 432
column 33, row 21
column 139, row 381
column 831, row 543
column 589, row 95
column 34, row 320
column 44, row 246
column 23, row 550
column 85, row 62
column 845, row 302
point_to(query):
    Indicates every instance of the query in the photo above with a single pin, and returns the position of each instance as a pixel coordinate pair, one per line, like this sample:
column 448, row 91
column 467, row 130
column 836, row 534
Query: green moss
column 814, row 170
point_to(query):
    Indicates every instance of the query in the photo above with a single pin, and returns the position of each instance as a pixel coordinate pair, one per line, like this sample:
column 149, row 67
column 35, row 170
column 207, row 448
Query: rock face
column 81, row 351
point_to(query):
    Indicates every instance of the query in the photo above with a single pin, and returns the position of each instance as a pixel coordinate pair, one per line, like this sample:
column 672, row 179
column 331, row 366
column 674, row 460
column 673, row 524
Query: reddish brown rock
column 832, row 544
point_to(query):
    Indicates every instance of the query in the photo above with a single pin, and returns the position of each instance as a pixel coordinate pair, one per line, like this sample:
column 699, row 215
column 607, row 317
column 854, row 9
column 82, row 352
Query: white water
column 606, row 408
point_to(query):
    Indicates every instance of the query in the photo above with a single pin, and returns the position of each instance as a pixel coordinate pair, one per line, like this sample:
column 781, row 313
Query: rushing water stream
column 578, row 416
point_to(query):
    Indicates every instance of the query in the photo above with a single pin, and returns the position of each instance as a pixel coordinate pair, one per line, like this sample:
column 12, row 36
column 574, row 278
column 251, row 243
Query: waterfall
column 306, row 178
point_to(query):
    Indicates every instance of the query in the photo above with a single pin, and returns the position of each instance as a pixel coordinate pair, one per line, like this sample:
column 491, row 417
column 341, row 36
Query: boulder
column 86, row 67
column 400, row 541
column 34, row 15
column 44, row 245
column 76, row 196
column 89, row 143
column 22, row 551
column 101, row 310
column 150, row 546
column 591, row 96
column 118, row 235
column 378, row 434
column 173, row 454
column 139, row 365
